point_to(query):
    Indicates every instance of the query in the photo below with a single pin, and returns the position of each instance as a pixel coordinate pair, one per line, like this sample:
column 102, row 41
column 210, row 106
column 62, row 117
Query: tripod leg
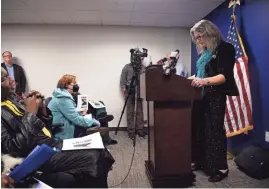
column 135, row 116
column 122, row 112
column 128, row 95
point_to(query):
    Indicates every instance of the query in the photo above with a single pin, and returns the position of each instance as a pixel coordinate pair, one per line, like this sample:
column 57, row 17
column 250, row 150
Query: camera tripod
column 133, row 86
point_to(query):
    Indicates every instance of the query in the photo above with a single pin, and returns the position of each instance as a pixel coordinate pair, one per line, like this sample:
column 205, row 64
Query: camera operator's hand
column 124, row 91
column 33, row 103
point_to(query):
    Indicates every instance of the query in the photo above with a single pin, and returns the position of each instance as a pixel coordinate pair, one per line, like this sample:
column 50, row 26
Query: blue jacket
column 63, row 109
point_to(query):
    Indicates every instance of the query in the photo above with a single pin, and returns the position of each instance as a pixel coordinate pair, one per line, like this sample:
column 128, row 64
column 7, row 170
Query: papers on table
column 92, row 141
column 96, row 104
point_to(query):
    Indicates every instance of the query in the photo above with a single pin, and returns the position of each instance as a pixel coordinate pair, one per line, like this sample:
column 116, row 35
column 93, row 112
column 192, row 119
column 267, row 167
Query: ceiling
column 164, row 13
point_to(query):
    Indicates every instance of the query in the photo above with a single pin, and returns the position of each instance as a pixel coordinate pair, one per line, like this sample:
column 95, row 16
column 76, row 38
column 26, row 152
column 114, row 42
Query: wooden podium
column 169, row 127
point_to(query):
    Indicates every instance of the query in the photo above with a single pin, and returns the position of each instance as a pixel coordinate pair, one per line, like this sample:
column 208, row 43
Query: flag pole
column 232, row 4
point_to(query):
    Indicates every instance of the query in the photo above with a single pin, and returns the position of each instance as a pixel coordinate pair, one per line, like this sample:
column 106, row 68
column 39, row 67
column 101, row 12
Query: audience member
column 15, row 72
column 63, row 109
column 99, row 114
column 22, row 131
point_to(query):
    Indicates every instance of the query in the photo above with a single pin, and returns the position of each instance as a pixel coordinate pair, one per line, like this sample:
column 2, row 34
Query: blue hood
column 61, row 93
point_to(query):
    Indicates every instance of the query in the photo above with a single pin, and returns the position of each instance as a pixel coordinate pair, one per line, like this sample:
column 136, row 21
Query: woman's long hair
column 210, row 32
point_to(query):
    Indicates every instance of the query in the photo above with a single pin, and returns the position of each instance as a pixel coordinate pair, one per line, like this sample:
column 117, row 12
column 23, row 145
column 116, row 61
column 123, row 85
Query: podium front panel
column 172, row 138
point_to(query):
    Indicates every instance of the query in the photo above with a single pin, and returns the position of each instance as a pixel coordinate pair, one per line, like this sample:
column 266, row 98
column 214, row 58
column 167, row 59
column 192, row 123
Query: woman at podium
column 214, row 74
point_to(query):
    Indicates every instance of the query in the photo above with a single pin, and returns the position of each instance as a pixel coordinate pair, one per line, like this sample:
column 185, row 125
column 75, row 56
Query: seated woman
column 100, row 114
column 63, row 109
column 22, row 131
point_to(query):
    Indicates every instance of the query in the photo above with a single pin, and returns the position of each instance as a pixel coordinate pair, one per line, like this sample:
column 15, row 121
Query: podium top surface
column 156, row 86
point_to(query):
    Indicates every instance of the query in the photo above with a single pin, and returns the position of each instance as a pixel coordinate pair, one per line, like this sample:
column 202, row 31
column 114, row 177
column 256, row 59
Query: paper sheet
column 82, row 102
column 40, row 184
column 96, row 104
column 92, row 141
column 191, row 77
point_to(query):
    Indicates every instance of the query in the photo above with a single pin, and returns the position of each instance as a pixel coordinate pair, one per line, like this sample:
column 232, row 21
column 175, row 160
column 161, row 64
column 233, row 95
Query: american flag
column 238, row 116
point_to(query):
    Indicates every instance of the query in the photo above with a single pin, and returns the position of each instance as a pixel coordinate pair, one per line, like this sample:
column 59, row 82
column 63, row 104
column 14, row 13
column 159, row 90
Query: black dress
column 209, row 141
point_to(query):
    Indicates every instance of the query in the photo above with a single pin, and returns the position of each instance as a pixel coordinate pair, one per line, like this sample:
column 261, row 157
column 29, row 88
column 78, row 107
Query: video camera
column 136, row 58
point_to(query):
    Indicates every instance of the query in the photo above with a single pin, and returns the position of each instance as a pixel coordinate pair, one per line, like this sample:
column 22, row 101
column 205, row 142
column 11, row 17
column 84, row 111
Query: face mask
column 75, row 88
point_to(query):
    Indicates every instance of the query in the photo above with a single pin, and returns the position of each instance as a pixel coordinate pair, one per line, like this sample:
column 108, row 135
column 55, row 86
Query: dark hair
column 66, row 80
column 75, row 88
column 6, row 52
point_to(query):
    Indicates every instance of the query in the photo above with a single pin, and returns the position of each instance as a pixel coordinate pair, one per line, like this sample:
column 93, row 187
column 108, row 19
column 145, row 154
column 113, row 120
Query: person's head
column 5, row 84
column 7, row 57
column 67, row 82
column 205, row 35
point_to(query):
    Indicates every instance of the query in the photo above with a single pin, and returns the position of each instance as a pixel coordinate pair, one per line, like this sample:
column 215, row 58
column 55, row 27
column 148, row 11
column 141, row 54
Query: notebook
column 32, row 162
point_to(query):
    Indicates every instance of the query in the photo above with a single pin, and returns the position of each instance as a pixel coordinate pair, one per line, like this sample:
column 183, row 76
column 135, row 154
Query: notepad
column 32, row 162
column 92, row 141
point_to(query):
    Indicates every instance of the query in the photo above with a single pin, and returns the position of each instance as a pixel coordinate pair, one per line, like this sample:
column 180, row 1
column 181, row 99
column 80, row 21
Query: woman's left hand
column 198, row 82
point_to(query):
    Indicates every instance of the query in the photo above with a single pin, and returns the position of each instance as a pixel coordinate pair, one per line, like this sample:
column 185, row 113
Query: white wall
column 95, row 55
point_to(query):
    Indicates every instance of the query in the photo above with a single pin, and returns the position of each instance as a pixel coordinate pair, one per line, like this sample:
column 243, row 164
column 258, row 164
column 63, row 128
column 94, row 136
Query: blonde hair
column 66, row 80
column 210, row 32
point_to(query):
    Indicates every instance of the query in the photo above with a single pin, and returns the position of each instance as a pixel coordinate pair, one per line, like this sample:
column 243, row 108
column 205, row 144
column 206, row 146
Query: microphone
column 174, row 56
column 150, row 62
column 162, row 61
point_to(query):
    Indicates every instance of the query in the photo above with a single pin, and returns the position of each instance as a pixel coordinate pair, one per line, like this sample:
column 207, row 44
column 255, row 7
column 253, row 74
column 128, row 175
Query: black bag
column 254, row 161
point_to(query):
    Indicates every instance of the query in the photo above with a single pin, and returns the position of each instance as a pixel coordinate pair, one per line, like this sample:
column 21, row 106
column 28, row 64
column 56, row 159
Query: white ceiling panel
column 13, row 4
column 153, row 6
column 145, row 18
column 63, row 4
column 5, row 18
column 21, row 16
column 116, row 5
column 118, row 17
column 165, row 13
column 56, row 17
column 91, row 17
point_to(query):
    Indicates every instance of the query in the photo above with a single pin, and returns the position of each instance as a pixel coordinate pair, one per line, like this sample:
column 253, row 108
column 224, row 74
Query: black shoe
column 131, row 136
column 106, row 118
column 141, row 134
column 112, row 141
column 218, row 176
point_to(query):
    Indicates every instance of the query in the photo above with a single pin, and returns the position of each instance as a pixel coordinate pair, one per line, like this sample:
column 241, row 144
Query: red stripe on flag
column 242, row 118
column 234, row 112
column 244, row 93
column 245, row 60
column 228, row 119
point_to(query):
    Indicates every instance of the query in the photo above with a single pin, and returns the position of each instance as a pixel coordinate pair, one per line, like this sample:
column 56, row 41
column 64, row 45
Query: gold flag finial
column 233, row 4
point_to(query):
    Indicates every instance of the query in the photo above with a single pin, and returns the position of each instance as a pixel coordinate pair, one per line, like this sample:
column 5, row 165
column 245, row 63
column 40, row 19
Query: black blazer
column 222, row 62
column 20, row 78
